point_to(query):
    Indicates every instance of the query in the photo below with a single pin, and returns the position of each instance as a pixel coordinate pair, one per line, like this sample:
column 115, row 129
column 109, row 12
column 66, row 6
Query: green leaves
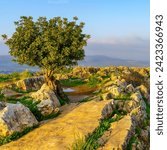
column 51, row 44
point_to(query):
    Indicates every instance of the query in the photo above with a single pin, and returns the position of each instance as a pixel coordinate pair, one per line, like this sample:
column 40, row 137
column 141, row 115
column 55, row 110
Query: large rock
column 127, row 105
column 139, row 114
column 60, row 133
column 31, row 84
column 46, row 107
column 121, row 132
column 48, row 100
column 15, row 117
column 136, row 96
column 143, row 90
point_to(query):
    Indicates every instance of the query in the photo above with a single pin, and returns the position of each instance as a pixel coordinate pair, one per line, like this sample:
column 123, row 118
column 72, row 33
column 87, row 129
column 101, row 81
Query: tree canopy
column 49, row 44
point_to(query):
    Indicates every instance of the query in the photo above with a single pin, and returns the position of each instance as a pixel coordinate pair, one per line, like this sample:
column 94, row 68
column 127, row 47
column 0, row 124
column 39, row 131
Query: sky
column 118, row 28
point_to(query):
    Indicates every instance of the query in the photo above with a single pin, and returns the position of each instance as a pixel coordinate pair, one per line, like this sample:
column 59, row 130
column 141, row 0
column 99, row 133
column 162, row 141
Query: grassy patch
column 71, row 82
column 15, row 135
column 131, row 141
column 123, row 97
column 15, row 76
column 94, row 80
column 28, row 102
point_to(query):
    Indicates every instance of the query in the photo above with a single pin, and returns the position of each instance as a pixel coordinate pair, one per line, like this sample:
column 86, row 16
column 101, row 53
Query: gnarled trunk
column 56, row 87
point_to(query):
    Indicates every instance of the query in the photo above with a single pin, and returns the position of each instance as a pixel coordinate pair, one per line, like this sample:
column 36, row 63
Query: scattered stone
column 121, row 83
column 129, row 88
column 115, row 91
column 15, row 117
column 136, row 96
column 106, row 96
column 143, row 91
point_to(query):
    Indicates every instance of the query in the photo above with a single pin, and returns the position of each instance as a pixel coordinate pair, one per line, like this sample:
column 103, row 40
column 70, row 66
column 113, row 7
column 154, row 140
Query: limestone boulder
column 143, row 90
column 15, row 117
column 108, row 109
column 48, row 100
column 127, row 105
column 46, row 107
column 136, row 96
column 31, row 84
column 139, row 114
column 115, row 91
column 121, row 132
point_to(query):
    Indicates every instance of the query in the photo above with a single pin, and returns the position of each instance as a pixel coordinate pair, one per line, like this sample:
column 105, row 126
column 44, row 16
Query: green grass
column 28, row 102
column 131, row 141
column 93, row 81
column 90, row 142
column 71, row 82
column 15, row 76
column 123, row 97
column 15, row 135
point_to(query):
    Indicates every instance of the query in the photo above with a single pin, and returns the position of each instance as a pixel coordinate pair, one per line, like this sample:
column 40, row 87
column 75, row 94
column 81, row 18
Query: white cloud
column 132, row 48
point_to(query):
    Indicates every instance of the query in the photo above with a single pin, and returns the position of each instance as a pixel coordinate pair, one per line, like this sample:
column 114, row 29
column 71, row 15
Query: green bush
column 71, row 82
column 93, row 81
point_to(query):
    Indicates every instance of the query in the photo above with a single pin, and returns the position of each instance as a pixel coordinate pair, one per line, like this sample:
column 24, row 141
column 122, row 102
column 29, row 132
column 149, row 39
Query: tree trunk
column 56, row 87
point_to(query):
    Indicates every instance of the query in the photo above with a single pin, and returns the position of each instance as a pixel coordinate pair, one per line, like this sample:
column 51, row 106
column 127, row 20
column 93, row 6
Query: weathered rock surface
column 49, row 100
column 129, row 88
column 143, row 90
column 31, row 84
column 46, row 107
column 115, row 91
column 15, row 117
column 9, row 93
column 121, row 132
column 59, row 134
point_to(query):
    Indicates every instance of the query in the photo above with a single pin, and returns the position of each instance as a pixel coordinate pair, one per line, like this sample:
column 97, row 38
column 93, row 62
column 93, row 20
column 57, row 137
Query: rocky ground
column 108, row 109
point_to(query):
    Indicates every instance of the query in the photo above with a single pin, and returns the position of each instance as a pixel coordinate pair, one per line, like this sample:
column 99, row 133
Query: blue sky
column 118, row 28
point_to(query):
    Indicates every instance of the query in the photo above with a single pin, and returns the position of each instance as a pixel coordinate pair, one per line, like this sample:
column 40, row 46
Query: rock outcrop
column 59, row 134
column 48, row 100
column 31, row 84
column 15, row 117
column 121, row 132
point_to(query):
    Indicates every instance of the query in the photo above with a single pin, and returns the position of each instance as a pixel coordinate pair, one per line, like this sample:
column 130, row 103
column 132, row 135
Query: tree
column 50, row 44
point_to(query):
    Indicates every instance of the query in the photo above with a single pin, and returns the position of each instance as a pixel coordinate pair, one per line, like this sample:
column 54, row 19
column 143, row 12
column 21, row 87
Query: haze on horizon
column 118, row 28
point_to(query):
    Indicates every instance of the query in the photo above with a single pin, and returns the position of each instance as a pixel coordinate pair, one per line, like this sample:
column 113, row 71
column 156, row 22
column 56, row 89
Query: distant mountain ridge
column 8, row 66
column 100, row 60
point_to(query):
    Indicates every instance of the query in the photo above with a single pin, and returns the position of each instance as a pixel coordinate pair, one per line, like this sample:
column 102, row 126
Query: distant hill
column 98, row 60
column 7, row 66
